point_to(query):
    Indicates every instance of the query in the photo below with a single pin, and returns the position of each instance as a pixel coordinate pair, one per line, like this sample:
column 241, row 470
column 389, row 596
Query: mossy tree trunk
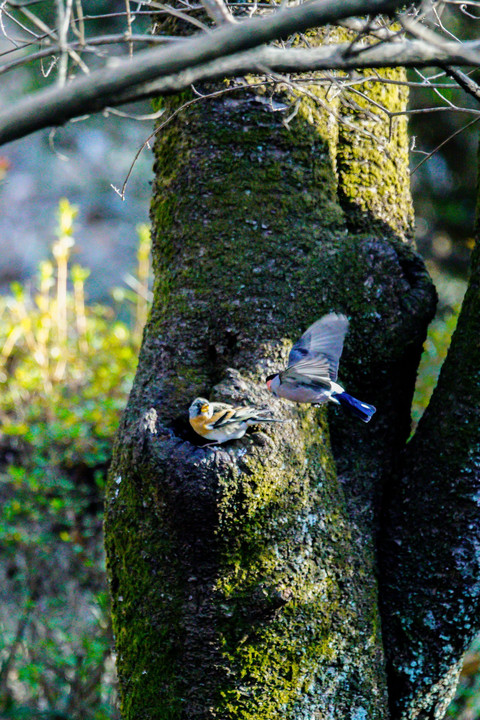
column 244, row 576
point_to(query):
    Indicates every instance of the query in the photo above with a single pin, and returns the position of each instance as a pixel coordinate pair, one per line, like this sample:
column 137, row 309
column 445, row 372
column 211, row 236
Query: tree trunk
column 243, row 576
column 431, row 592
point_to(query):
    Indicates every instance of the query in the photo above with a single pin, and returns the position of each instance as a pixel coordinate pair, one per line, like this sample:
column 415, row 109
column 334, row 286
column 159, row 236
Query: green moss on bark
column 372, row 157
column 253, row 571
column 253, row 593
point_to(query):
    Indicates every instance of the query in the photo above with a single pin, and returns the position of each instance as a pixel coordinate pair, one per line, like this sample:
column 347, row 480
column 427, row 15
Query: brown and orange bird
column 220, row 422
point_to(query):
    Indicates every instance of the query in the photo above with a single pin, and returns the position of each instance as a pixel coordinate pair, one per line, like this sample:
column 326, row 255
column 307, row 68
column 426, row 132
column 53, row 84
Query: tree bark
column 431, row 537
column 244, row 576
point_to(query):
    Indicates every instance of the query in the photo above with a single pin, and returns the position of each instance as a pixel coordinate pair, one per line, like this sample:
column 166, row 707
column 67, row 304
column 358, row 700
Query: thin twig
column 38, row 23
column 176, row 112
column 304, row 91
column 23, row 27
column 150, row 116
column 423, row 111
column 450, row 137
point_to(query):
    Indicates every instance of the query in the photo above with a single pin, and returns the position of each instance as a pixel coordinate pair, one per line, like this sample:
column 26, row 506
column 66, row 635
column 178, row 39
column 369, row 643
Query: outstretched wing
column 310, row 371
column 323, row 341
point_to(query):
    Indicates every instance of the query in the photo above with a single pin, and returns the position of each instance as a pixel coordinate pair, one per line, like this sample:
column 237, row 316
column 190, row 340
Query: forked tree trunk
column 244, row 576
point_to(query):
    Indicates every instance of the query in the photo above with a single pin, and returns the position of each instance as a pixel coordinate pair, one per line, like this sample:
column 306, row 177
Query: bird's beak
column 204, row 408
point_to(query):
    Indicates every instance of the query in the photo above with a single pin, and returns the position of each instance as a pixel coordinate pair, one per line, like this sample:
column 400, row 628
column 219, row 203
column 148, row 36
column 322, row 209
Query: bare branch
column 218, row 11
column 465, row 82
column 422, row 32
column 88, row 94
column 295, row 60
column 129, row 27
column 444, row 142
column 78, row 24
column 63, row 14
column 157, row 71
column 169, row 10
column 124, row 84
column 374, row 29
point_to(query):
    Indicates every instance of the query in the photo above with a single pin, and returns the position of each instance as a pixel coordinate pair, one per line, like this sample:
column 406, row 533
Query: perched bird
column 312, row 368
column 221, row 422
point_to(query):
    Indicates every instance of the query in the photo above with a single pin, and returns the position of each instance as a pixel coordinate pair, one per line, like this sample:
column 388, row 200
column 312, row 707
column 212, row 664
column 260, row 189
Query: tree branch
column 408, row 53
column 465, row 82
column 86, row 94
column 218, row 11
column 57, row 105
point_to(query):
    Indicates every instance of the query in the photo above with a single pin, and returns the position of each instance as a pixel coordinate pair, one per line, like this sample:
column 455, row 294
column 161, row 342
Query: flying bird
column 311, row 374
column 220, row 422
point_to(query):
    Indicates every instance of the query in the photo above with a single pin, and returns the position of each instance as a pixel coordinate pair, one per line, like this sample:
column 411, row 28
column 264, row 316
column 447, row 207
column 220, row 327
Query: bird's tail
column 362, row 410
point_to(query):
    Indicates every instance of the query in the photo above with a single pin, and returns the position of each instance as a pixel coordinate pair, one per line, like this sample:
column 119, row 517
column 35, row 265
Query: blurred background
column 74, row 293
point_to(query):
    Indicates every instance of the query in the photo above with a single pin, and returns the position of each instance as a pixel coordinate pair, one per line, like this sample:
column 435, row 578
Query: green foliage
column 451, row 291
column 466, row 704
column 434, row 352
column 65, row 372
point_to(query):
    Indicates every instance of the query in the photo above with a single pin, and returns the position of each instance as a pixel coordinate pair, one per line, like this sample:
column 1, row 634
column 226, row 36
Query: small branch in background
column 131, row 116
column 439, row 94
column 129, row 28
column 218, row 11
column 63, row 15
column 450, row 137
column 168, row 10
column 421, row 32
column 440, row 24
column 78, row 23
column 51, row 142
column 463, row 8
column 34, row 19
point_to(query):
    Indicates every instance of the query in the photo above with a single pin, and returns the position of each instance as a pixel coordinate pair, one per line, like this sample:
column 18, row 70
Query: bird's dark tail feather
column 362, row 410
